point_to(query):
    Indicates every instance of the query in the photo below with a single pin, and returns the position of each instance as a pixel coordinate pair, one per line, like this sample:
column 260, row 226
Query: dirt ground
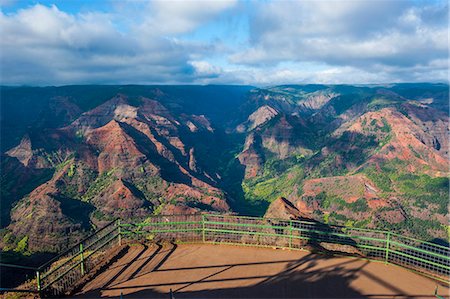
column 221, row 271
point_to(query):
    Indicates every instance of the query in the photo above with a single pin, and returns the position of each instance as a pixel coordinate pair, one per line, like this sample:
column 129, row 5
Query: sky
column 223, row 42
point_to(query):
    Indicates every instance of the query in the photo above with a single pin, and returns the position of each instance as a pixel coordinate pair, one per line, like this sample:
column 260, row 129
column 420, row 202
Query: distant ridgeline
column 77, row 157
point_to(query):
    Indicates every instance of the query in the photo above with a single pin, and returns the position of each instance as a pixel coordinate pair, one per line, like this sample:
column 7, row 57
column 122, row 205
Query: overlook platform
column 226, row 271
column 227, row 256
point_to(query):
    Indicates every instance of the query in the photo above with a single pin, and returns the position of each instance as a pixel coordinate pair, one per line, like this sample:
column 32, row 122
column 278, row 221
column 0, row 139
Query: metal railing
column 60, row 274
column 29, row 272
column 427, row 258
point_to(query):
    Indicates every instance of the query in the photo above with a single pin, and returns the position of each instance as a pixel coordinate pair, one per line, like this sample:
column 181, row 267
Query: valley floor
column 221, row 271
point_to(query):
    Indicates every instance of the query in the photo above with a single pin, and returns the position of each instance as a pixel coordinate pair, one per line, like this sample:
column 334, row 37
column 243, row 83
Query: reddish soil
column 212, row 271
column 413, row 140
column 281, row 208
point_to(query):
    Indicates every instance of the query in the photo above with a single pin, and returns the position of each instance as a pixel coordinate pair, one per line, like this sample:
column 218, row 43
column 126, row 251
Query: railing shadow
column 311, row 276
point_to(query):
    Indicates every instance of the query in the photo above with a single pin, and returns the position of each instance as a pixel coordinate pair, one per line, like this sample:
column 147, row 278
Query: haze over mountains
column 75, row 157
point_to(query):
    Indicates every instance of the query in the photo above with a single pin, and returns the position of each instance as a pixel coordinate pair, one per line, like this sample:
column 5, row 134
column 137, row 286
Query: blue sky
column 222, row 42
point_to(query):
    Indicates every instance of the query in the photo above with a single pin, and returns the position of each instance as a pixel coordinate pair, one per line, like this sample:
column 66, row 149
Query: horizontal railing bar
column 302, row 230
column 98, row 240
column 340, row 235
column 248, row 225
column 101, row 246
column 294, row 221
column 73, row 256
column 162, row 231
column 253, row 218
column 245, row 232
column 159, row 223
column 17, row 290
column 419, row 259
column 78, row 263
column 18, row 266
column 62, row 275
column 422, row 242
column 331, row 233
column 421, row 250
column 76, row 245
column 287, row 227
column 45, row 275
column 295, row 237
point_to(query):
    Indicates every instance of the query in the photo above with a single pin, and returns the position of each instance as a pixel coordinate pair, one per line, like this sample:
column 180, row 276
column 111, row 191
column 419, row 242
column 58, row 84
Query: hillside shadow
column 78, row 210
column 232, row 185
column 16, row 181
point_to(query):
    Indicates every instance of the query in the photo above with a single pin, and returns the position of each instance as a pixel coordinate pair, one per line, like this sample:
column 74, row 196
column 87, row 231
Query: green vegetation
column 420, row 188
column 345, row 152
column 71, row 171
column 152, row 187
column 357, row 224
column 328, row 202
column 386, row 128
column 336, row 218
column 77, row 177
column 360, row 205
column 101, row 183
column 344, row 101
column 14, row 187
column 271, row 186
column 157, row 211
column 419, row 228
column 380, row 102
column 22, row 246
column 415, row 153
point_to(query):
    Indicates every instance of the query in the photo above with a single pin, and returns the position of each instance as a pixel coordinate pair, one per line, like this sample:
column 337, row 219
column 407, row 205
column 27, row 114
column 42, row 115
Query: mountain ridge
column 133, row 151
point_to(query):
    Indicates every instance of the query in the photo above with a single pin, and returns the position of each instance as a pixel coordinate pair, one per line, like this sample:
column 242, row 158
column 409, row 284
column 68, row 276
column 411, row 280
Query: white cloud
column 356, row 34
column 173, row 17
column 204, row 68
column 44, row 45
column 275, row 42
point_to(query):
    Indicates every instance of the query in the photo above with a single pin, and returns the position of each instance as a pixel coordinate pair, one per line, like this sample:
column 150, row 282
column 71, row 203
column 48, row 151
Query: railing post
column 120, row 232
column 388, row 239
column 290, row 234
column 82, row 259
column 203, row 228
column 38, row 280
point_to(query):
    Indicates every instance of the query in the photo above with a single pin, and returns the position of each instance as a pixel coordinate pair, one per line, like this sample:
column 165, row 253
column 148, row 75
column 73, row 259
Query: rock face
column 76, row 157
column 282, row 208
column 252, row 156
column 369, row 157
column 423, row 144
column 258, row 118
column 116, row 160
column 22, row 152
column 349, row 188
column 41, row 219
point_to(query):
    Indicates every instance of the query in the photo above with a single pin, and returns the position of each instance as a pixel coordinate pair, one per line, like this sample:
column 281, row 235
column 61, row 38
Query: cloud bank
column 201, row 42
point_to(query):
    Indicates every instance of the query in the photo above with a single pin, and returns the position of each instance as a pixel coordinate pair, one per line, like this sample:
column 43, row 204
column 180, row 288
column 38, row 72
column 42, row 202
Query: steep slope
column 371, row 157
column 367, row 156
column 424, row 145
column 282, row 208
column 117, row 160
